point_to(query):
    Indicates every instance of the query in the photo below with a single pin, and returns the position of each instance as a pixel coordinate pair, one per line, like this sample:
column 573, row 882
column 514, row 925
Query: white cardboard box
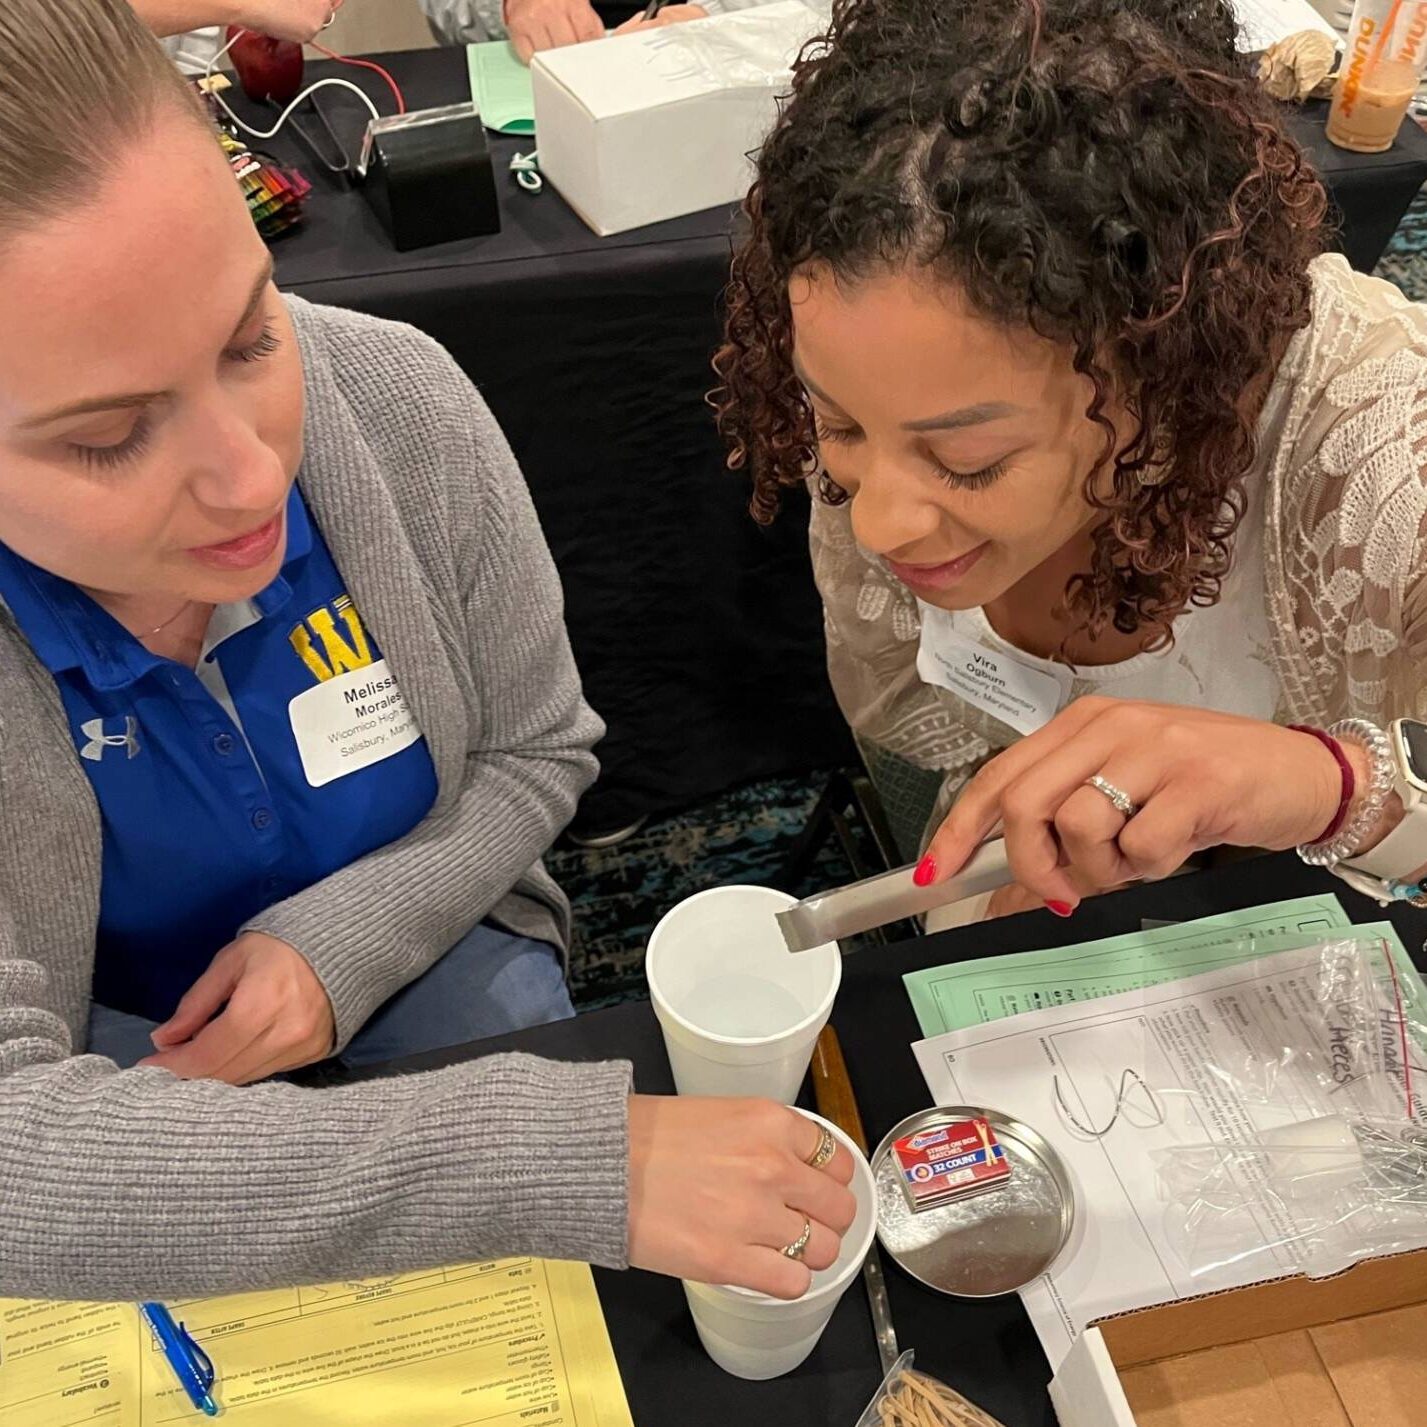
column 647, row 126
column 1345, row 1351
column 1086, row 1388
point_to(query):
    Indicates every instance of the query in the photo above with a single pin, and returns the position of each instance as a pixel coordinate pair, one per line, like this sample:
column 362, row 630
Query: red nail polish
column 926, row 870
column 1061, row 909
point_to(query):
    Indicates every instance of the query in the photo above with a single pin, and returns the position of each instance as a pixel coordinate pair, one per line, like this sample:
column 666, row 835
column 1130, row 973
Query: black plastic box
column 428, row 176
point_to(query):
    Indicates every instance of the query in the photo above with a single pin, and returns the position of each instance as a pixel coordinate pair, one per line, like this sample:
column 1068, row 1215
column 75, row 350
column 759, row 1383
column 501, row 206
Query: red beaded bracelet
column 1345, row 769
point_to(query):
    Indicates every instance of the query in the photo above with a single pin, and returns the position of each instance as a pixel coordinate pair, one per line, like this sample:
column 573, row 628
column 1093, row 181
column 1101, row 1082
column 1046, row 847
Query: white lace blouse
column 1323, row 615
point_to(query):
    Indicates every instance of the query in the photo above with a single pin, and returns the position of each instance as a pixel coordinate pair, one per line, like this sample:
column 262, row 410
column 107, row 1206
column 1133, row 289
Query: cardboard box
column 1347, row 1351
column 653, row 125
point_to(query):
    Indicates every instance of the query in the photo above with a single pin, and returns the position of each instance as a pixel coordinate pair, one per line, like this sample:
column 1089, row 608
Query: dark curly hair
column 1105, row 172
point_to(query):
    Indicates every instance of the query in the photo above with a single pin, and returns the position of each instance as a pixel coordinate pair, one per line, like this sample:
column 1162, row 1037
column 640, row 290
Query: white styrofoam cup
column 739, row 1011
column 757, row 1337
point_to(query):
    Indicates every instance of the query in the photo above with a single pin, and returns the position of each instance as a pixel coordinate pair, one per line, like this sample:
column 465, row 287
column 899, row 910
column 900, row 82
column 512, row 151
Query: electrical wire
column 286, row 113
column 366, row 64
column 526, row 168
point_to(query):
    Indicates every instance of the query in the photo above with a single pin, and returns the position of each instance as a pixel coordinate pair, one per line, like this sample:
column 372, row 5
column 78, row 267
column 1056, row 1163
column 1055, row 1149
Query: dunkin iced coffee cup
column 1385, row 54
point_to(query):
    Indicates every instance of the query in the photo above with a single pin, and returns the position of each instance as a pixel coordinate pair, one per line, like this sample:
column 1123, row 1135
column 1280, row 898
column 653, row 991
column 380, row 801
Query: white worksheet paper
column 1121, row 1255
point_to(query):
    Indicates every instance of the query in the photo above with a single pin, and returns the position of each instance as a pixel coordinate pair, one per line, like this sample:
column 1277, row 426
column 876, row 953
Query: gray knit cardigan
column 130, row 1184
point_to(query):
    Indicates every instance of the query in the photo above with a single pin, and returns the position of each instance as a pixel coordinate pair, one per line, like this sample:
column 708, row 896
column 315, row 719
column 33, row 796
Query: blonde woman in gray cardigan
column 287, row 718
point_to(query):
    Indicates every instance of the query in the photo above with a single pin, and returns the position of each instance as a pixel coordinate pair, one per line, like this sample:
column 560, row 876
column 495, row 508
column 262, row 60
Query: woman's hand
column 718, row 1187
column 300, row 20
column 669, row 15
column 1010, row 900
column 549, row 24
column 258, row 1010
column 1198, row 779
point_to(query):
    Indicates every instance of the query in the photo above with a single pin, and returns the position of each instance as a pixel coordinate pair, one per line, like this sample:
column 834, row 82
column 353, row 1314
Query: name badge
column 990, row 679
column 350, row 722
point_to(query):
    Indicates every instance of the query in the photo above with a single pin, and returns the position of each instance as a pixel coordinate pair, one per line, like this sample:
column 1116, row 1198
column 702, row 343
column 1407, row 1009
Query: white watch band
column 1402, row 851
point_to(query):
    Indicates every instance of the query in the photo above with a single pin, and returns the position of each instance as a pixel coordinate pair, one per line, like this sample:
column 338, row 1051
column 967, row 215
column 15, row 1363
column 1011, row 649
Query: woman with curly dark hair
column 1114, row 470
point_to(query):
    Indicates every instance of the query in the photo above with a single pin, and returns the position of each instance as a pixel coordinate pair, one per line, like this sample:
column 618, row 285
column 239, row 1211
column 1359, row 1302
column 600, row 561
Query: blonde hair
column 78, row 78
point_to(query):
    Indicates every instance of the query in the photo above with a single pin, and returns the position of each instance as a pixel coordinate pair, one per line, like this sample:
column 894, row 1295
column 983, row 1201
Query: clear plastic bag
column 908, row 1398
column 1318, row 1152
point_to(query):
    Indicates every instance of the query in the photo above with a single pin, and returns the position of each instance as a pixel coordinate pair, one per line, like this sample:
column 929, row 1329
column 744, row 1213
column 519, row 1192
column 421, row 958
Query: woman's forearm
column 376, row 925
column 135, row 1184
column 175, row 17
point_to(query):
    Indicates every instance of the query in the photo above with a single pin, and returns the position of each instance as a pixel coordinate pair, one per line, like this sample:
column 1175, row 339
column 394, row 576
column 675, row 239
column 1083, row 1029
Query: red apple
column 267, row 68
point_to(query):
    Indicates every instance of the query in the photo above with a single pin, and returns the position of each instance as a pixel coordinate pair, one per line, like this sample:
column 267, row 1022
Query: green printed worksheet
column 968, row 993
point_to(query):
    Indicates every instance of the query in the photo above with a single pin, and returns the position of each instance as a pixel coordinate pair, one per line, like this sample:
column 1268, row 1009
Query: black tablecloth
column 986, row 1349
column 698, row 635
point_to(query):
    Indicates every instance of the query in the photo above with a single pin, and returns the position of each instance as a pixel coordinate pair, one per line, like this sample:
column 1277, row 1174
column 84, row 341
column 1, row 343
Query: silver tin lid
column 988, row 1244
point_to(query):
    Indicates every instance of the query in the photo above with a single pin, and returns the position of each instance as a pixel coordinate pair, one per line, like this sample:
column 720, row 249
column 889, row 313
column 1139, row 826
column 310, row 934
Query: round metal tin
column 991, row 1243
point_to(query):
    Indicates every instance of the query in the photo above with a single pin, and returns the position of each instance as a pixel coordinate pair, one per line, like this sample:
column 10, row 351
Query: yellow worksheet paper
column 519, row 1341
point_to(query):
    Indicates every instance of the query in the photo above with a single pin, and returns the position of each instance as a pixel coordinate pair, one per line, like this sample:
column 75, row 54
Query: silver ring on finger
column 826, row 1148
column 799, row 1246
column 1119, row 798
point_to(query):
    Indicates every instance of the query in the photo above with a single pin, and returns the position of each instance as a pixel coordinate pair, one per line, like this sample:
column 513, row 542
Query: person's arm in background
column 677, row 14
column 530, row 25
column 300, row 20
column 550, row 24
column 534, row 25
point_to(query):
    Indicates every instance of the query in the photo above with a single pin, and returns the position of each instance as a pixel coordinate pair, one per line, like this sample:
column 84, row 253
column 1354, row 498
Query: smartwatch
column 1404, row 849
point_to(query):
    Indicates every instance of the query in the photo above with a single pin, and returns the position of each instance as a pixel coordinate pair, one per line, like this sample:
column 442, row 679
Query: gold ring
column 826, row 1148
column 799, row 1246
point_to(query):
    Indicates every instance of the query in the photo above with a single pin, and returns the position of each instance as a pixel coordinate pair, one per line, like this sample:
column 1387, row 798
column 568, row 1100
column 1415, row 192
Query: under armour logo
column 99, row 740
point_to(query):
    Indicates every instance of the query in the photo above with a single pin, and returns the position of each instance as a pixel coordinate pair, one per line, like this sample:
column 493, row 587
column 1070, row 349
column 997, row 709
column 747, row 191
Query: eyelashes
column 834, row 434
column 268, row 342
column 108, row 458
column 960, row 480
column 971, row 480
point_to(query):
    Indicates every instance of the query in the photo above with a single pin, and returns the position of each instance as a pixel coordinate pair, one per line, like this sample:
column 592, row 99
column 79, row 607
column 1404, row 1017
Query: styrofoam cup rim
column 813, row 1022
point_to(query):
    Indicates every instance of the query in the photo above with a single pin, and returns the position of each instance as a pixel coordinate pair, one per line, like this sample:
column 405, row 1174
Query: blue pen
column 191, row 1365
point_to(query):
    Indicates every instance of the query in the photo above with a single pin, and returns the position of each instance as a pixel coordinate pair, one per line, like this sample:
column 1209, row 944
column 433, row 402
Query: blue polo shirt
column 223, row 789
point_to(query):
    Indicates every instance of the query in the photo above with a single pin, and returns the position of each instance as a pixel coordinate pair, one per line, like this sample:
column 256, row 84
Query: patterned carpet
column 1405, row 261
column 619, row 893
